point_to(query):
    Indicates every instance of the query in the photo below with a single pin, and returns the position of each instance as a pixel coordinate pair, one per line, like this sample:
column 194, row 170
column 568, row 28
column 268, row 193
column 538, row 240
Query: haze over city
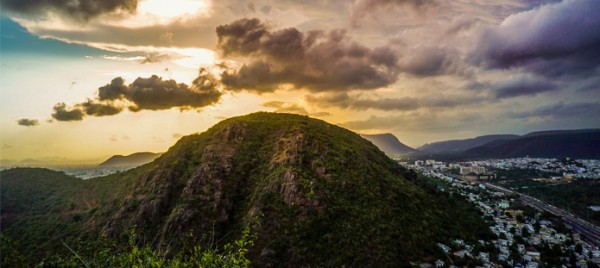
column 90, row 80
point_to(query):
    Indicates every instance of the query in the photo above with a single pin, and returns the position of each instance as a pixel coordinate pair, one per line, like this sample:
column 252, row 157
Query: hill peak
column 389, row 144
column 320, row 193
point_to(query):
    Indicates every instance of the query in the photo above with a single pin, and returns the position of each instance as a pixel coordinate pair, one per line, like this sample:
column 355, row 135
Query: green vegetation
column 520, row 174
column 575, row 196
column 322, row 196
column 108, row 253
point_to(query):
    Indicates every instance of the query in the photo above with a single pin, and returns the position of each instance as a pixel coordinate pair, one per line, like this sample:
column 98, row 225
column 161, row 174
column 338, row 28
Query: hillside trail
column 86, row 202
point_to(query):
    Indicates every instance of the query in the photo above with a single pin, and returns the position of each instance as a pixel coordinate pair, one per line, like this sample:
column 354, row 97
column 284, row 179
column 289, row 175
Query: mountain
column 554, row 132
column 136, row 159
column 48, row 162
column 582, row 145
column 311, row 194
column 462, row 145
column 389, row 144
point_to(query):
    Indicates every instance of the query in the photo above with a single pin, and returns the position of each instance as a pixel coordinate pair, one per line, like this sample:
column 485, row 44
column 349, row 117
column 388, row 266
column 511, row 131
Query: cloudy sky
column 88, row 79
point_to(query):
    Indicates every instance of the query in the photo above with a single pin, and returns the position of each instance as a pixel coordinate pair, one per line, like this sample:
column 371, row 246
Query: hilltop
column 136, row 159
column 317, row 193
column 389, row 144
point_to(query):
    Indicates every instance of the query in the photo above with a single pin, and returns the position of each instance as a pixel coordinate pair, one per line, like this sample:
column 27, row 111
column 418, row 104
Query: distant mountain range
column 136, row 159
column 454, row 146
column 583, row 145
column 579, row 143
column 389, row 144
column 54, row 161
column 554, row 132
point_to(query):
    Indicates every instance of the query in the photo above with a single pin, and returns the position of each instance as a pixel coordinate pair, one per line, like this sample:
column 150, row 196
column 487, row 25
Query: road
column 590, row 231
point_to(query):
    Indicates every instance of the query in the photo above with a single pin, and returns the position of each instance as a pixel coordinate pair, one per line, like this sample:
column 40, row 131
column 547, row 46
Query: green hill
column 316, row 195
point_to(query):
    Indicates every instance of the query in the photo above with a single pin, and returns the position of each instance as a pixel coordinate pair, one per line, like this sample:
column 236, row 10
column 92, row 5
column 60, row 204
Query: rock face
column 316, row 195
column 315, row 189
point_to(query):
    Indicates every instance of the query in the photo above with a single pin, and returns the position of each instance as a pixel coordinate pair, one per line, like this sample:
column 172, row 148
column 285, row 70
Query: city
column 548, row 237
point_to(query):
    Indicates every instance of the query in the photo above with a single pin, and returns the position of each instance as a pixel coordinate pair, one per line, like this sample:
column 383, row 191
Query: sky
column 88, row 79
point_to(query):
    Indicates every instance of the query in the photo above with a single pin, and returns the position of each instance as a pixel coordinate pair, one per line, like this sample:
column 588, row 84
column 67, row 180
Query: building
column 514, row 213
column 476, row 170
column 595, row 208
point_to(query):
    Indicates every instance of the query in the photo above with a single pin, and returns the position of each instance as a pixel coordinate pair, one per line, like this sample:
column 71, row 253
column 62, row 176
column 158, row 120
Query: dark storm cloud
column 98, row 109
column 79, row 9
column 524, row 86
column 577, row 110
column 151, row 93
column 61, row 113
column 241, row 37
column 28, row 122
column 365, row 7
column 560, row 39
column 156, row 94
column 113, row 91
column 313, row 60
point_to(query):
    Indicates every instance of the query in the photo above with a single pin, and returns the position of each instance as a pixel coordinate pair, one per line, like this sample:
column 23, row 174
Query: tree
column 525, row 232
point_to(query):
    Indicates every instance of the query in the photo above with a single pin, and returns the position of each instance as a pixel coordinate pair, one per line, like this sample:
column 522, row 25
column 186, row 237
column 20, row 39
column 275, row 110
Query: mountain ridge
column 320, row 193
column 389, row 144
column 486, row 141
column 464, row 144
column 582, row 145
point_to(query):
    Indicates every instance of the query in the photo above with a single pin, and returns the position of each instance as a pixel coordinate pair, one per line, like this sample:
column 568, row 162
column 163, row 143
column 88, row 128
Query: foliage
column 325, row 196
column 575, row 196
column 108, row 253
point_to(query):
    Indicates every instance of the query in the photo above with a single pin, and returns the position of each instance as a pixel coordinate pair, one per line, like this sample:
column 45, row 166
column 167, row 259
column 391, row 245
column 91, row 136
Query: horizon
column 63, row 162
column 87, row 84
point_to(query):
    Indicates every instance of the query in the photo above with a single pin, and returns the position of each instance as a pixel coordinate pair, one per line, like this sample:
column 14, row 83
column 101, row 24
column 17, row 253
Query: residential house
column 534, row 254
